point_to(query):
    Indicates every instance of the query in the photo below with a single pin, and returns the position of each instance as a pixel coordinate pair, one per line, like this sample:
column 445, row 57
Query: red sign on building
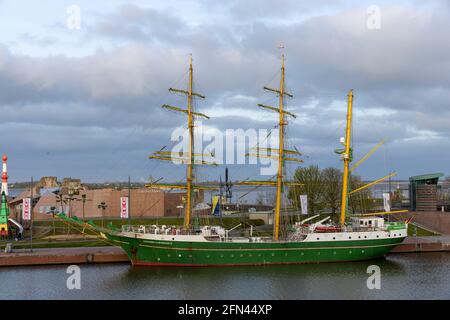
column 124, row 207
column 26, row 209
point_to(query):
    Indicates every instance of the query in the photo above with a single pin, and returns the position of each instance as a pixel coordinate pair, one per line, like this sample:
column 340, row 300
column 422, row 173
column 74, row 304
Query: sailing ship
column 354, row 238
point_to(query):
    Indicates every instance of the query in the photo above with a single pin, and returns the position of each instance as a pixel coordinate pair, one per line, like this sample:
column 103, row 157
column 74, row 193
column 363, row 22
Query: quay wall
column 433, row 220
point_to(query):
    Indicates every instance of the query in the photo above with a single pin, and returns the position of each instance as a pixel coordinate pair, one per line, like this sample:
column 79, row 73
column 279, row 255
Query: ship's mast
column 281, row 124
column 280, row 153
column 347, row 158
column 185, row 157
column 187, row 216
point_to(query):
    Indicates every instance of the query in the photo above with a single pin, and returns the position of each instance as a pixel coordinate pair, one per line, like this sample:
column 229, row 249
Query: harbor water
column 403, row 276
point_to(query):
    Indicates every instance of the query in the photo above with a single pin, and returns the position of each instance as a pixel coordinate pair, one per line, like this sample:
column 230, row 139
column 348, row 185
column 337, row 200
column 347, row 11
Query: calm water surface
column 407, row 276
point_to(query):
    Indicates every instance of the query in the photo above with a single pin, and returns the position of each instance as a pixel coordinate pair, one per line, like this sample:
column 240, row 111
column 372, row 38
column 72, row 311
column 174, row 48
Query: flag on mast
column 215, row 206
column 387, row 202
column 124, row 207
column 304, row 203
column 26, row 209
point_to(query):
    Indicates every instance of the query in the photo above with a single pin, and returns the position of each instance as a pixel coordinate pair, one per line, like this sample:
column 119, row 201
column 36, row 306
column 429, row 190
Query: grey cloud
column 103, row 105
column 133, row 22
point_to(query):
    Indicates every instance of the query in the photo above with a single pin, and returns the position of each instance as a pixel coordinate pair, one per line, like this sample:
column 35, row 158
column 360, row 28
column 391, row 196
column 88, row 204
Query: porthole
column 250, row 255
column 362, row 251
column 378, row 236
column 302, row 253
column 395, row 235
column 350, row 251
column 158, row 259
column 273, row 254
column 359, row 237
column 334, row 238
column 365, row 237
column 179, row 255
column 318, row 238
column 232, row 255
column 349, row 237
column 334, row 252
column 207, row 256
column 168, row 255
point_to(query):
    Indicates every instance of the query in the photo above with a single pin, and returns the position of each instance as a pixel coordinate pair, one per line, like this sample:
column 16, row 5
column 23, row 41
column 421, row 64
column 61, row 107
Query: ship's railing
column 363, row 229
column 152, row 229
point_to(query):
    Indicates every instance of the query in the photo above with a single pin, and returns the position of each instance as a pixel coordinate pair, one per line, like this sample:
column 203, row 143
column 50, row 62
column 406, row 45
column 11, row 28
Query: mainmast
column 184, row 157
column 187, row 216
column 281, row 124
column 281, row 152
column 347, row 157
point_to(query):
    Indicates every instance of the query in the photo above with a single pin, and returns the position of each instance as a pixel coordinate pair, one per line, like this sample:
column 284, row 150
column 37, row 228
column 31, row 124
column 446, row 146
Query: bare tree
column 313, row 187
column 361, row 201
column 332, row 178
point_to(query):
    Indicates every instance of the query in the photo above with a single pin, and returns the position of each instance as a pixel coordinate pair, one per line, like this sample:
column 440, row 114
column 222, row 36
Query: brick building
column 144, row 203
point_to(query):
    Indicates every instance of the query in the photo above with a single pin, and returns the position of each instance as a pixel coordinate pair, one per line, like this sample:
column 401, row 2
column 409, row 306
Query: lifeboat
column 327, row 229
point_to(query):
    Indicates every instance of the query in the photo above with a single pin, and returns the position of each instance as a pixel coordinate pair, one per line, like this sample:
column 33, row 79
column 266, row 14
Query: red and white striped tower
column 5, row 175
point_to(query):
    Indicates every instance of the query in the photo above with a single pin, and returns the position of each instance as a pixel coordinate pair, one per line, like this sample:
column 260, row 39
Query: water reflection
column 408, row 276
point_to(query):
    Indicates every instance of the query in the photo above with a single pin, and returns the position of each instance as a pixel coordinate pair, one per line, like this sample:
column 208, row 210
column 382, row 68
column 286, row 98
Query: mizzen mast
column 347, row 157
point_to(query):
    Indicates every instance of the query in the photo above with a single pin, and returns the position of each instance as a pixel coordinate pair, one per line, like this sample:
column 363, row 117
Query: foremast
column 188, row 157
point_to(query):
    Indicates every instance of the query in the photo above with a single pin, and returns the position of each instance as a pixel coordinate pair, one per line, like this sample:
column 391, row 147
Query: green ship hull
column 144, row 252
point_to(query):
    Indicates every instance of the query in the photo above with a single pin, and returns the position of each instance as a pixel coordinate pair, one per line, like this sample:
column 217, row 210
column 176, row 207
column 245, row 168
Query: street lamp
column 83, row 200
column 53, row 212
column 103, row 207
column 181, row 209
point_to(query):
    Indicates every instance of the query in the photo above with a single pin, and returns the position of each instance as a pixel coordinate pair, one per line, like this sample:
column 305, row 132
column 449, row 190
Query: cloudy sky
column 86, row 102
